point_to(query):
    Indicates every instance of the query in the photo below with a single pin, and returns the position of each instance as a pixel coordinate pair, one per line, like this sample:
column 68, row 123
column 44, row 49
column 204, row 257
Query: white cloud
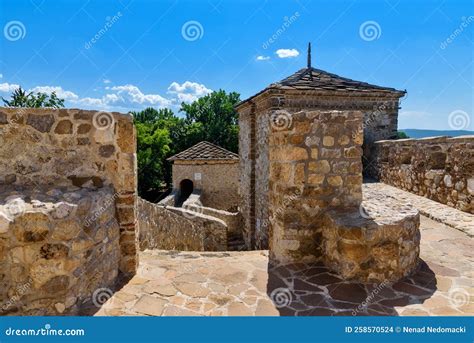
column 106, row 81
column 1, row 76
column 187, row 91
column 60, row 92
column 263, row 58
column 132, row 94
column 123, row 97
column 287, row 53
column 8, row 87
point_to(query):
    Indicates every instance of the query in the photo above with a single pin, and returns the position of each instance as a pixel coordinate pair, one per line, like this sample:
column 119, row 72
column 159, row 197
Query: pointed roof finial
column 309, row 55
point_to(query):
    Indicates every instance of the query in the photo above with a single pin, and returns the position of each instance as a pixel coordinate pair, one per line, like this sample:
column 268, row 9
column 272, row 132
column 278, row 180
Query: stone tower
column 271, row 119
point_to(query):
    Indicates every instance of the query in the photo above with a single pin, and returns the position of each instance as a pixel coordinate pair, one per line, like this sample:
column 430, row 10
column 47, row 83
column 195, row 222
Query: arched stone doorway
column 186, row 188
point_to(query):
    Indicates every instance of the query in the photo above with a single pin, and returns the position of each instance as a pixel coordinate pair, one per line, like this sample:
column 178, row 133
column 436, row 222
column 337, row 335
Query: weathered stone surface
column 63, row 127
column 374, row 243
column 42, row 123
column 179, row 229
column 448, row 215
column 438, row 168
column 218, row 184
column 106, row 150
column 54, row 254
column 84, row 128
column 3, row 119
column 295, row 214
column 70, row 155
column 151, row 306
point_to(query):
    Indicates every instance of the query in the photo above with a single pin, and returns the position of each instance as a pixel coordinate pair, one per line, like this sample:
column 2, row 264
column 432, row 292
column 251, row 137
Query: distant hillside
column 420, row 133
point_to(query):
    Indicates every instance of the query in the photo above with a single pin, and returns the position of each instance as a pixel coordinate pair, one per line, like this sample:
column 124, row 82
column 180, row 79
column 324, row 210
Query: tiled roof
column 317, row 79
column 204, row 151
column 312, row 78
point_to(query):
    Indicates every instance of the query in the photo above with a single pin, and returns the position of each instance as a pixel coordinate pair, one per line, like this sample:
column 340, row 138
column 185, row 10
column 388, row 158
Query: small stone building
column 272, row 110
column 210, row 170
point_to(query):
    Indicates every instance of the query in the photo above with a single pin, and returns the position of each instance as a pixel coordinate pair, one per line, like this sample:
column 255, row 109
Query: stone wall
column 173, row 228
column 262, row 169
column 219, row 183
column 88, row 156
column 247, row 174
column 439, row 168
column 53, row 255
column 315, row 165
column 316, row 212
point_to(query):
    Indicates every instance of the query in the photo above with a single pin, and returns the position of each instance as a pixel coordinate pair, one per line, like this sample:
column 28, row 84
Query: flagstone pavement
column 172, row 283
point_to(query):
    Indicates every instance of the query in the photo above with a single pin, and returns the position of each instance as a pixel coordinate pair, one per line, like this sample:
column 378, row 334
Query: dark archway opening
column 186, row 188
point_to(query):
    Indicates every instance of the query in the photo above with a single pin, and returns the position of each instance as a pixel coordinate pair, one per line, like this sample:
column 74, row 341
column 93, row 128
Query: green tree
column 402, row 135
column 217, row 118
column 161, row 134
column 153, row 146
column 175, row 128
column 20, row 98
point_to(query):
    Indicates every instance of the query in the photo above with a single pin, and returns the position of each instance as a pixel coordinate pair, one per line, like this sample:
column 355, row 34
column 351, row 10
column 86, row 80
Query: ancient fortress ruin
column 71, row 221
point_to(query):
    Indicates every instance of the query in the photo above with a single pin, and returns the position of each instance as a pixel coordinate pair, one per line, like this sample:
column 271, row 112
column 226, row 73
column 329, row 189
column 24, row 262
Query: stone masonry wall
column 67, row 207
column 439, row 168
column 74, row 149
column 53, row 254
column 262, row 171
column 245, row 165
column 219, row 183
column 315, row 165
column 173, row 228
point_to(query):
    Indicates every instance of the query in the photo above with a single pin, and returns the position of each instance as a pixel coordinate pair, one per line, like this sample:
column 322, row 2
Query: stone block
column 63, row 127
column 328, row 141
column 319, row 167
column 42, row 123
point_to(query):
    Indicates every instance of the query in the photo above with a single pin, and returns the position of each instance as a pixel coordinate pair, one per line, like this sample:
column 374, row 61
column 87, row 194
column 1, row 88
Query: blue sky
column 130, row 54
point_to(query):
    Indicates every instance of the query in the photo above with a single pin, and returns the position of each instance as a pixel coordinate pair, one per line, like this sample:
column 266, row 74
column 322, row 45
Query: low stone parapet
column 57, row 247
column 175, row 228
column 379, row 241
column 439, row 168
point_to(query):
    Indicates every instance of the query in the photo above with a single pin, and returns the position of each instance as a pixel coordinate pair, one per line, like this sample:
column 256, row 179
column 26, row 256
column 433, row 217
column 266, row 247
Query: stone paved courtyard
column 242, row 283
